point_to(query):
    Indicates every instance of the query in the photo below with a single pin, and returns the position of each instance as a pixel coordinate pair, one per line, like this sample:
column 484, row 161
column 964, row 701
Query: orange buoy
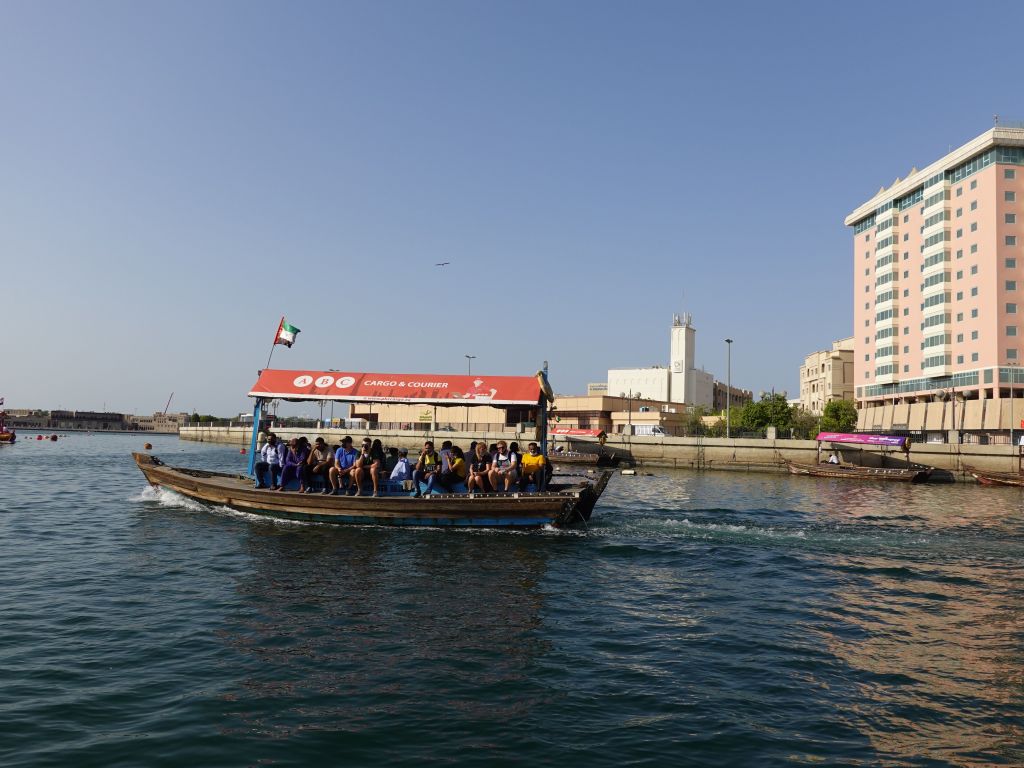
column 148, row 446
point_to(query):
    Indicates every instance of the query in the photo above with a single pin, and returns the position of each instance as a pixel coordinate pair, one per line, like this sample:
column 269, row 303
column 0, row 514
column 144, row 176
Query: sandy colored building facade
column 826, row 376
column 939, row 289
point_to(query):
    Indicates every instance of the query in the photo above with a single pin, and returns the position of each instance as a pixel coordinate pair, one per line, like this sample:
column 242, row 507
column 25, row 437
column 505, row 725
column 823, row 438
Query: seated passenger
column 456, row 474
column 479, row 467
column 318, row 465
column 534, row 466
column 403, row 469
column 446, row 455
column 271, row 458
column 294, row 460
column 369, row 464
column 504, row 468
column 390, row 460
column 344, row 459
column 427, row 468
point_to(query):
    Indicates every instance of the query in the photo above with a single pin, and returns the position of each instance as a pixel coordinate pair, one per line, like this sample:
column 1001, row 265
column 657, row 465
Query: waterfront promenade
column 744, row 454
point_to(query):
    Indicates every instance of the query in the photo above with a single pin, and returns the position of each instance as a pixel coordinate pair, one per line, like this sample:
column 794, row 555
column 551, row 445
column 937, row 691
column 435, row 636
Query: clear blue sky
column 176, row 176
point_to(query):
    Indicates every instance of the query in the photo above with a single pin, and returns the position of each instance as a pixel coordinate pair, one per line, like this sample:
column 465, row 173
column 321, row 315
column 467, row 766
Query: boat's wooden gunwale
column 986, row 477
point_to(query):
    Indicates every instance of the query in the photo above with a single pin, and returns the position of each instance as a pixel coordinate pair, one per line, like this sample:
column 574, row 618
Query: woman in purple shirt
column 294, row 459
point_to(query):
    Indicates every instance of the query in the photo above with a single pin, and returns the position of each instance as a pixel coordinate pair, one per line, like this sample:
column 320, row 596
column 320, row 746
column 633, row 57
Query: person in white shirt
column 272, row 457
column 403, row 469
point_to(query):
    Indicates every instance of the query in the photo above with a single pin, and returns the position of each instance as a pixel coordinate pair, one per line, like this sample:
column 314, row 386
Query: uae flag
column 286, row 334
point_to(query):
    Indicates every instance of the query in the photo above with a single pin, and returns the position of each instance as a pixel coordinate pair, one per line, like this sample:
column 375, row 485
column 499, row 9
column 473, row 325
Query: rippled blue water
column 703, row 619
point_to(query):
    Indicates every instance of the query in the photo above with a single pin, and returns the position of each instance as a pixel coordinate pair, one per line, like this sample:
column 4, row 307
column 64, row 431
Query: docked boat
column 996, row 478
column 559, row 504
column 586, row 457
column 835, row 467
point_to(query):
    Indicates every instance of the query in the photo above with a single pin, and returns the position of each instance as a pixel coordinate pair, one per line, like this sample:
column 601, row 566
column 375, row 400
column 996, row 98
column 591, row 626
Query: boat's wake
column 166, row 498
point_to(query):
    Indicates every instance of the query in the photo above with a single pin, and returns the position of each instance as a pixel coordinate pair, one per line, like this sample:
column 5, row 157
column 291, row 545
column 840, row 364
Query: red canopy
column 398, row 388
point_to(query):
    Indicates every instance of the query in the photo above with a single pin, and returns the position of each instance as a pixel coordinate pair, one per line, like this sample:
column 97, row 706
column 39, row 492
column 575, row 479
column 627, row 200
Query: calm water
column 703, row 619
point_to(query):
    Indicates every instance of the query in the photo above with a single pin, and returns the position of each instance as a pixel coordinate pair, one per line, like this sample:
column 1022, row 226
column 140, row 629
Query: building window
column 959, row 338
column 974, row 205
column 959, row 359
column 960, row 253
column 959, row 295
column 974, row 357
column 1011, row 263
column 906, row 292
column 1011, row 330
column 974, row 335
column 906, row 330
column 959, row 212
column 1011, row 239
column 974, row 313
column 1010, row 196
column 959, row 317
column 974, row 183
column 867, row 288
column 867, row 358
column 906, row 369
column 867, row 305
column 1010, row 218
column 906, row 350
column 1011, row 308
column 906, row 219
column 867, row 323
column 1011, row 354
column 974, row 248
column 1011, row 285
column 974, row 226
column 906, row 274
column 959, row 274
column 959, row 233
column 867, row 272
column 1009, row 173
column 959, row 191
column 906, row 311
column 974, row 269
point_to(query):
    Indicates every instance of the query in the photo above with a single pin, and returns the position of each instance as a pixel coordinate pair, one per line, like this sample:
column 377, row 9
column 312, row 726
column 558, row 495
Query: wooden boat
column 917, row 473
column 910, row 473
column 586, row 459
column 559, row 505
column 996, row 478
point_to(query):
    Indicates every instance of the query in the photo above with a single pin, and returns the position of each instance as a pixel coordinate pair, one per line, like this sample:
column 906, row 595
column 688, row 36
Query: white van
column 649, row 430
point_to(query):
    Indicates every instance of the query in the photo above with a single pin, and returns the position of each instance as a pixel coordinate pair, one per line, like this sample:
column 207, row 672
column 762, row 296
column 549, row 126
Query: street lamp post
column 469, row 364
column 728, row 388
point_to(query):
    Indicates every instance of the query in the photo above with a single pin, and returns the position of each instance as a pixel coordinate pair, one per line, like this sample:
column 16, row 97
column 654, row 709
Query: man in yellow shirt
column 534, row 467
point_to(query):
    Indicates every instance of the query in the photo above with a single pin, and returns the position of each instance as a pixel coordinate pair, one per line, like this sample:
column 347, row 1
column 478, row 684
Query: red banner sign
column 398, row 388
column 576, row 431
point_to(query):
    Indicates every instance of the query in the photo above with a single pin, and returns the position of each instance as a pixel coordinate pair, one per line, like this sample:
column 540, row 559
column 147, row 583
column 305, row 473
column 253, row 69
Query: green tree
column 771, row 410
column 805, row 425
column 839, row 416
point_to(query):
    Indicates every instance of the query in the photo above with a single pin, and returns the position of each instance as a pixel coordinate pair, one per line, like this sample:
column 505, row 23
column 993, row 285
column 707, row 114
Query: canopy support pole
column 542, row 415
column 257, row 414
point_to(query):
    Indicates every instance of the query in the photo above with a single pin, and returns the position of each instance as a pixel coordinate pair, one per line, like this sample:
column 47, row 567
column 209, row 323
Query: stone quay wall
column 751, row 455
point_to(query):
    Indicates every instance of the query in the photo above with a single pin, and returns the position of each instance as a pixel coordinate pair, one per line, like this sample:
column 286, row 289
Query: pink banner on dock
column 844, row 437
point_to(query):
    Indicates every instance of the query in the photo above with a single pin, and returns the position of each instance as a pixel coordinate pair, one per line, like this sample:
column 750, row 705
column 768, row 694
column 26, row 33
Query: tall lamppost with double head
column 728, row 387
column 469, row 364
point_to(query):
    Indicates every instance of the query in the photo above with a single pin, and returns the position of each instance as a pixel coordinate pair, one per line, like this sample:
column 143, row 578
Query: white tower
column 683, row 336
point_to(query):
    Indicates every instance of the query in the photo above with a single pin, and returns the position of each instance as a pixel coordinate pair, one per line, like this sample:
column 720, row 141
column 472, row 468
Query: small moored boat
column 996, row 478
column 908, row 473
column 7, row 436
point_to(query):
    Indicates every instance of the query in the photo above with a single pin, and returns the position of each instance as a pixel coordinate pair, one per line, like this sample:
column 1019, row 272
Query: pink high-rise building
column 939, row 279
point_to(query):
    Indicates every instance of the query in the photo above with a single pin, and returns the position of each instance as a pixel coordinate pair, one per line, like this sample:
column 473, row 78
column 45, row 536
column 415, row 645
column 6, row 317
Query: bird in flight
column 442, row 264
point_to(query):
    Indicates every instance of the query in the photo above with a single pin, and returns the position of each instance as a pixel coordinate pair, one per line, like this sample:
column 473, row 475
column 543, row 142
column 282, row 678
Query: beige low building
column 826, row 376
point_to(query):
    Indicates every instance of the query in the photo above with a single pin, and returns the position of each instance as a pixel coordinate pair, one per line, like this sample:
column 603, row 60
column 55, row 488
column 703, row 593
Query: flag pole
column 277, row 335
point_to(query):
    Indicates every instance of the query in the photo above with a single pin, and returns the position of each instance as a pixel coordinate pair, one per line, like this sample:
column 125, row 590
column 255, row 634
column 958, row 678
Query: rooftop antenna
column 995, row 119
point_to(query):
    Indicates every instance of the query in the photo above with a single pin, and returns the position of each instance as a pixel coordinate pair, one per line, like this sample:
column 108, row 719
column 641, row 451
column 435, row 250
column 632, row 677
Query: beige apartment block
column 938, row 286
column 826, row 376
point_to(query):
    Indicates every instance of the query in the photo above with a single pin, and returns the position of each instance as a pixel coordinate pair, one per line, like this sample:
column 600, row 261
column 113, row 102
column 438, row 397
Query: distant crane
column 168, row 403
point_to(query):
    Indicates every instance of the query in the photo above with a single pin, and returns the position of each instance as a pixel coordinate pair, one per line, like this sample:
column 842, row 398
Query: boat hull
column 7, row 437
column 847, row 472
column 997, row 478
column 520, row 510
